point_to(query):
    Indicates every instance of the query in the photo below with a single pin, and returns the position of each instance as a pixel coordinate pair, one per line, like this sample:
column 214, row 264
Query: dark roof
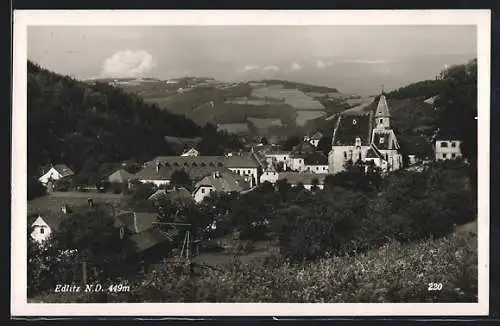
column 301, row 177
column 224, row 182
column 195, row 171
column 382, row 110
column 135, row 222
column 63, row 170
column 349, row 127
column 196, row 167
column 373, row 152
column 242, row 161
column 316, row 158
column 53, row 219
column 317, row 136
column 304, row 146
column 147, row 239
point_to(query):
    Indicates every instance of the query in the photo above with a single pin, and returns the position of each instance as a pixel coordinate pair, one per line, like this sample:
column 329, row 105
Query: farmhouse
column 447, row 149
column 219, row 182
column 366, row 138
column 140, row 233
column 307, row 179
column 56, row 172
column 159, row 170
column 316, row 162
column 269, row 174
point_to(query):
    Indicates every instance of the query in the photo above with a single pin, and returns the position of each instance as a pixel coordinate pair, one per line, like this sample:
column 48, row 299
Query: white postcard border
column 23, row 18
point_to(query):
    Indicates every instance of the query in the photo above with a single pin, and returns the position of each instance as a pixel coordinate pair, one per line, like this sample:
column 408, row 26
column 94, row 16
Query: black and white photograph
column 334, row 157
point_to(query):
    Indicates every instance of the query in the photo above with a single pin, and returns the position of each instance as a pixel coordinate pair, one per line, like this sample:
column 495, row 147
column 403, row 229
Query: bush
column 393, row 273
column 64, row 184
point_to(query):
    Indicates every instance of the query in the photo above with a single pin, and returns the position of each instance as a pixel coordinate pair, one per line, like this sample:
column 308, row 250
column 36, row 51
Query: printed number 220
column 435, row 287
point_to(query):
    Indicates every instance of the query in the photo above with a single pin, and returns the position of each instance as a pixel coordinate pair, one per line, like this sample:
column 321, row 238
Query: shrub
column 64, row 184
column 393, row 273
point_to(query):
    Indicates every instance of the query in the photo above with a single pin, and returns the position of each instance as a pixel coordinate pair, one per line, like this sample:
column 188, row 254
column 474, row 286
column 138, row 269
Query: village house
column 269, row 174
column 138, row 230
column 159, row 170
column 447, row 149
column 219, row 182
column 307, row 179
column 56, row 172
column 140, row 233
column 296, row 163
column 191, row 152
column 278, row 157
column 365, row 137
column 316, row 162
column 179, row 196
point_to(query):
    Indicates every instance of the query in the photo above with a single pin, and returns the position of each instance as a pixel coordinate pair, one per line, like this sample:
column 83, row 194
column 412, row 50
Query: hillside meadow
column 393, row 273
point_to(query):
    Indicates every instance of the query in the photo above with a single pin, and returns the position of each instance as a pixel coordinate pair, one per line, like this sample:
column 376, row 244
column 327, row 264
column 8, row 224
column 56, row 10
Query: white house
column 276, row 157
column 296, row 163
column 191, row 152
column 56, row 172
column 316, row 163
column 447, row 149
column 269, row 174
column 46, row 223
column 219, row 182
column 244, row 165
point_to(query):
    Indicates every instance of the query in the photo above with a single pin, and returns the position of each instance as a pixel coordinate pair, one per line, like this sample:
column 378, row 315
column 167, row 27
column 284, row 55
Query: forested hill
column 84, row 125
column 419, row 90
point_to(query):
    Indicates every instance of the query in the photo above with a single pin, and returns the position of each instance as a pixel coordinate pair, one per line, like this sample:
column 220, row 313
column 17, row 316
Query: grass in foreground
column 393, row 273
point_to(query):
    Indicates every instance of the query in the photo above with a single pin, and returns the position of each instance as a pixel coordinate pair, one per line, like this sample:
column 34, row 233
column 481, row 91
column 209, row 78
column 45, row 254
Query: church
column 365, row 137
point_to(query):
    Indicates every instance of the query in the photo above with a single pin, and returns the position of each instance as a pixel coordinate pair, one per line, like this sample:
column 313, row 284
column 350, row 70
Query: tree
column 457, row 109
column 290, row 143
column 325, row 144
column 264, row 141
column 35, row 188
column 180, row 178
column 94, row 235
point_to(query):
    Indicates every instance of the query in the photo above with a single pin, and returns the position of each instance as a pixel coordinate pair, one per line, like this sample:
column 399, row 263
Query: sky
column 354, row 59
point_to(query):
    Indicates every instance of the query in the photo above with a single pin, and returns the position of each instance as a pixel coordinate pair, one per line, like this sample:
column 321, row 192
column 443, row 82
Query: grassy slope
column 393, row 273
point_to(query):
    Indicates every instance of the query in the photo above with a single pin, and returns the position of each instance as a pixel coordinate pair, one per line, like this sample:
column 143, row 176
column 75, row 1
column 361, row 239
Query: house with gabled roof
column 56, row 172
column 226, row 182
column 159, row 170
column 316, row 162
column 365, row 137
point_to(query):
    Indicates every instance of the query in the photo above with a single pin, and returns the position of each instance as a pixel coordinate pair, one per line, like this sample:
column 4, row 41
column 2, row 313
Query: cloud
column 128, row 63
column 249, row 68
column 321, row 64
column 295, row 66
column 271, row 68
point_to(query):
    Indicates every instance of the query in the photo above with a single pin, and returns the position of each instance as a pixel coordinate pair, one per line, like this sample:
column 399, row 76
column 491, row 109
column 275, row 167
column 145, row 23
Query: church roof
column 350, row 127
column 382, row 108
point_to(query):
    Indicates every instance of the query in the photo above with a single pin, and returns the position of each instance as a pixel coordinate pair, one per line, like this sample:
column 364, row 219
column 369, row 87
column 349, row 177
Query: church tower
column 382, row 115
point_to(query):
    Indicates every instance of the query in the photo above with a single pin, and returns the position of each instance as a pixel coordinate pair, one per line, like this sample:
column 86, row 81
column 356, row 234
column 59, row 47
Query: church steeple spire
column 382, row 114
